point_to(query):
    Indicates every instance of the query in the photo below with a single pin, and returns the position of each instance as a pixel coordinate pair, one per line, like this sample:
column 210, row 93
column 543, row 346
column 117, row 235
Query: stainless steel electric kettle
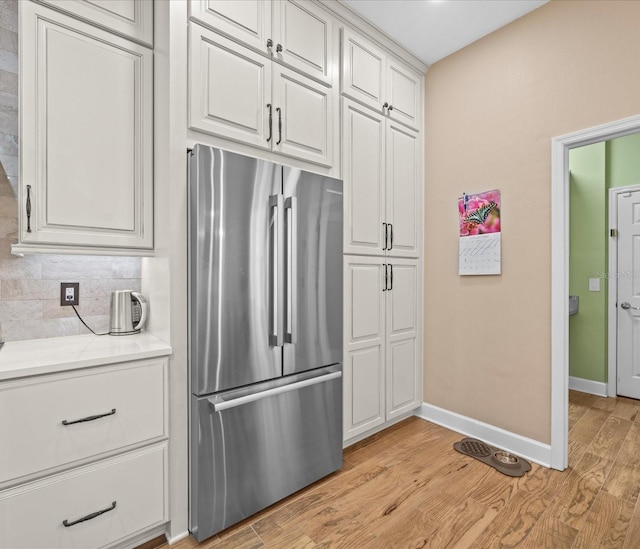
column 128, row 312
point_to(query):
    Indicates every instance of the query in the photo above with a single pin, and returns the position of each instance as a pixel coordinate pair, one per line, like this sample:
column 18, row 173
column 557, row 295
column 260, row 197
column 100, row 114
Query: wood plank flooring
column 408, row 488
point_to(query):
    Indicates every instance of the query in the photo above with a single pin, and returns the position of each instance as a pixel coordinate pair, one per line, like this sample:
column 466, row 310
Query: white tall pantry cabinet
column 297, row 78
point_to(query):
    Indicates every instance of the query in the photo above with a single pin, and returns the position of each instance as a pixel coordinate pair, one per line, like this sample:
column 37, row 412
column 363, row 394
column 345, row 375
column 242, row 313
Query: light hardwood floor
column 408, row 488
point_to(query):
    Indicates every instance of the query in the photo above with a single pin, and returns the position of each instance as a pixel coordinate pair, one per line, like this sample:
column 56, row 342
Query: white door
column 86, row 134
column 303, row 117
column 404, row 91
column 248, row 21
column 628, row 344
column 403, row 202
column 364, row 345
column 229, row 89
column 403, row 375
column 303, row 38
column 363, row 70
column 363, row 134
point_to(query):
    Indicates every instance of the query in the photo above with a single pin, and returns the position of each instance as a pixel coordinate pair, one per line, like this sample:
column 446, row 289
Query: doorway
column 560, row 147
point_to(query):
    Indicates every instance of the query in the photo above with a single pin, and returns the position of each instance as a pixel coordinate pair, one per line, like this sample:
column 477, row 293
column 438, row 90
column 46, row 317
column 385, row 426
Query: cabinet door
column 402, row 364
column 363, row 70
column 248, row 21
column 403, row 207
column 130, row 18
column 87, row 131
column 363, row 134
column 229, row 89
column 303, row 38
column 404, row 92
column 364, row 340
column 303, row 125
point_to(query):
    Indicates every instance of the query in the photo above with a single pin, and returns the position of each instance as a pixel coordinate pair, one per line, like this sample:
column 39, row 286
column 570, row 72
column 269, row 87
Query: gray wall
column 30, row 286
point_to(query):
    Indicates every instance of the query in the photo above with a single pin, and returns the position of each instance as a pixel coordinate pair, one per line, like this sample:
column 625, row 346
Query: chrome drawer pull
column 89, row 418
column 90, row 516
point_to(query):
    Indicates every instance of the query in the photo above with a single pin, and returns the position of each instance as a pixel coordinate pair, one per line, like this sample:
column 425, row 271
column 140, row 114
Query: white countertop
column 44, row 356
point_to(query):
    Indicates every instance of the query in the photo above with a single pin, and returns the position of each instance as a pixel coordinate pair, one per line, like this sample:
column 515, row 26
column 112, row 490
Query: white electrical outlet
column 70, row 294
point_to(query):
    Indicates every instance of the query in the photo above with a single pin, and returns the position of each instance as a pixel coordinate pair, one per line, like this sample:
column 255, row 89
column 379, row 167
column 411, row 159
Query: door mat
column 506, row 463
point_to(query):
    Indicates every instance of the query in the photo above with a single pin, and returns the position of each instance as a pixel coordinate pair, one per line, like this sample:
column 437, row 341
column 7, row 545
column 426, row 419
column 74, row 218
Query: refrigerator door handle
column 276, row 338
column 233, row 403
column 291, row 204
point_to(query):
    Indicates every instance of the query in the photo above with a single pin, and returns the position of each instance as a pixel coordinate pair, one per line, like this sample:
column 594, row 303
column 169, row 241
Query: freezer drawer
column 253, row 447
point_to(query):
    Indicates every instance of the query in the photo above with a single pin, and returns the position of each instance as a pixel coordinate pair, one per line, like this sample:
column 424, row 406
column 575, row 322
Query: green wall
column 587, row 259
column 594, row 170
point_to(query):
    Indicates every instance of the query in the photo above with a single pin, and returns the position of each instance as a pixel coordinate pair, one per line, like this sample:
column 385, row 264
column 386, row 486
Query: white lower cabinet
column 87, row 459
column 382, row 356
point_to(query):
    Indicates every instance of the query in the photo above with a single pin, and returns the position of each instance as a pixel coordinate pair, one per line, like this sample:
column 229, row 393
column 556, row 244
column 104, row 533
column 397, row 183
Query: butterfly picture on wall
column 479, row 213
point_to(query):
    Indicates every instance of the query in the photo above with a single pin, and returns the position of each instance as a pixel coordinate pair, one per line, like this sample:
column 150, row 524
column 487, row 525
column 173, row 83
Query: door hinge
column 613, row 233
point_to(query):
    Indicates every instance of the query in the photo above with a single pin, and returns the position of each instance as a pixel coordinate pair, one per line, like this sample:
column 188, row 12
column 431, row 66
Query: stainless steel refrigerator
column 265, row 334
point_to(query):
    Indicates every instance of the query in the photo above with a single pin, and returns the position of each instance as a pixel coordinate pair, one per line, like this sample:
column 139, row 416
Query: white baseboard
column 587, row 386
column 516, row 444
column 174, row 539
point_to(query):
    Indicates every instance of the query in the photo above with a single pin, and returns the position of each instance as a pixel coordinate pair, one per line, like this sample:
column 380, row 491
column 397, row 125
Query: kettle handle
column 143, row 309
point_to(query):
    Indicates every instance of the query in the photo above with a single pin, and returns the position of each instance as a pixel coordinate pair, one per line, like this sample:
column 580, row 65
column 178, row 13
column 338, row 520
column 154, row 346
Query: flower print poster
column 479, row 226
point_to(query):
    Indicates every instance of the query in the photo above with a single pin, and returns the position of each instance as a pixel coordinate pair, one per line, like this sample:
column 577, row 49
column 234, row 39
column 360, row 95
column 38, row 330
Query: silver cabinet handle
column 385, row 105
column 235, row 402
column 291, row 204
column 626, row 306
column 390, row 108
column 386, row 235
column 391, row 277
column 279, row 48
column 90, row 516
column 276, row 338
column 391, row 236
column 89, row 418
column 269, row 43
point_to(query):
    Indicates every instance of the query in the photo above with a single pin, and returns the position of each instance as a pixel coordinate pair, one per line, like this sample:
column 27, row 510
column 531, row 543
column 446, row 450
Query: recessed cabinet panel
column 303, row 125
column 363, row 70
column 402, row 299
column 86, row 157
column 229, row 89
column 403, row 94
column 366, row 285
column 130, row 18
column 304, row 32
column 364, row 383
column 364, row 178
column 403, row 205
column 248, row 21
column 402, row 382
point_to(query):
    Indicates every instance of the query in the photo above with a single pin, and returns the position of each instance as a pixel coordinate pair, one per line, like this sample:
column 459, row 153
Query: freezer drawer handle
column 90, row 516
column 233, row 403
column 88, row 418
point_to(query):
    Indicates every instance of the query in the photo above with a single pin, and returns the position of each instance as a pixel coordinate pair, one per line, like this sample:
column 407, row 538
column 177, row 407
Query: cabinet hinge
column 613, row 233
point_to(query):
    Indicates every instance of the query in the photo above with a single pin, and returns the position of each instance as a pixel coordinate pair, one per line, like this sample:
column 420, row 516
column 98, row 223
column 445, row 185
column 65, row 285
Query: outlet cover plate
column 71, row 288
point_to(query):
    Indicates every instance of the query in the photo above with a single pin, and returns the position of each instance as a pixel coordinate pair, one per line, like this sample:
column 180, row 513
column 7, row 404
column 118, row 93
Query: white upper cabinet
column 86, row 102
column 230, row 89
column 381, row 167
column 130, row 18
column 241, row 95
column 248, row 21
column 303, row 38
column 303, row 117
column 380, row 81
column 296, row 33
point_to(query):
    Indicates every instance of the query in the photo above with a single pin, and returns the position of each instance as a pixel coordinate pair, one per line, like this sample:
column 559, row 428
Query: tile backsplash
column 30, row 286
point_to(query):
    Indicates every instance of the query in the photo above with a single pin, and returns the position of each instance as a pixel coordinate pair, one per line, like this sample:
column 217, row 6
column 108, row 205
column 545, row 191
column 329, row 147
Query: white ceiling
column 433, row 29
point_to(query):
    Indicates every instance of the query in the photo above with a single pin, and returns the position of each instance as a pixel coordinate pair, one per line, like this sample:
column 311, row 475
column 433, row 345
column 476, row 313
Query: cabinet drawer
column 32, row 413
column 33, row 514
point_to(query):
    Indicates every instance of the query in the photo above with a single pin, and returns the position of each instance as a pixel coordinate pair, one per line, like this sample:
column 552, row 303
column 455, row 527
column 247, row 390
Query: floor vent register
column 506, row 463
